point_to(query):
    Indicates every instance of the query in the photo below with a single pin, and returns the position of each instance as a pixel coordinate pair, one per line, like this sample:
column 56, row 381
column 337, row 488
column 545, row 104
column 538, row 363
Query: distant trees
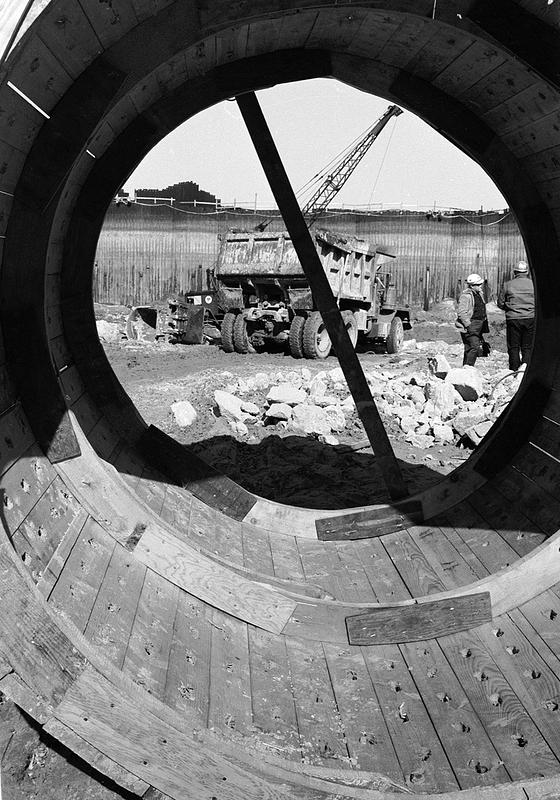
column 183, row 192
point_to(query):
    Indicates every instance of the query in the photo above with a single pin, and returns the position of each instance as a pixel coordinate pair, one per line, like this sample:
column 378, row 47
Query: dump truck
column 266, row 299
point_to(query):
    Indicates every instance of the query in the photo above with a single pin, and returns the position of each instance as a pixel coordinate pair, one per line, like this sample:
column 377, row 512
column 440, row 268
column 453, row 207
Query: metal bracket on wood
column 322, row 292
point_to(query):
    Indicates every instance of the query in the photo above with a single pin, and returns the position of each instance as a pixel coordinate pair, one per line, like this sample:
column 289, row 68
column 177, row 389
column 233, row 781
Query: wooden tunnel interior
column 181, row 635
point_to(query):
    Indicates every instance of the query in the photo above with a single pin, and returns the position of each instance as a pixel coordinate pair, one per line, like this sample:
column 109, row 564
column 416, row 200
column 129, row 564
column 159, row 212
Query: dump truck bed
column 350, row 263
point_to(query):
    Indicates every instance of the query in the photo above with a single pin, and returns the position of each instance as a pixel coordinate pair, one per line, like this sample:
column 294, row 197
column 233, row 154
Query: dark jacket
column 466, row 307
column 517, row 298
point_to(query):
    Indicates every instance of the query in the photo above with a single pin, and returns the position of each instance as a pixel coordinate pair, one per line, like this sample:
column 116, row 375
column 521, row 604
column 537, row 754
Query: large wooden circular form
column 174, row 630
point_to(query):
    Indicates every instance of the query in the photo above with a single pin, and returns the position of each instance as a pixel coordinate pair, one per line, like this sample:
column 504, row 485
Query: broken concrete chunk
column 441, row 395
column 311, row 419
column 336, row 418
column 467, row 381
column 229, row 405
column 285, row 393
column 250, row 408
column 279, row 411
column 184, row 413
column 443, row 433
column 438, row 365
column 463, row 422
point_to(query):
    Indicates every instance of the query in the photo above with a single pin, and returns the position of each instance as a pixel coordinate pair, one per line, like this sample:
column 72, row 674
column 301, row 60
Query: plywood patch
column 419, row 621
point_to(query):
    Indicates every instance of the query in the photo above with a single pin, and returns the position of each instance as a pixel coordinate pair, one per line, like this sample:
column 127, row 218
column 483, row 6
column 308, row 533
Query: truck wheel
column 296, row 337
column 241, row 341
column 316, row 339
column 227, row 332
column 396, row 336
column 351, row 325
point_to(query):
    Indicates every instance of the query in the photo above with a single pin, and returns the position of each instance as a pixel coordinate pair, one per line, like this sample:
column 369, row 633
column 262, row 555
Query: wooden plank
column 54, row 567
column 473, row 64
column 528, row 106
column 467, row 745
column 91, row 755
column 538, row 465
column 274, row 711
column 78, row 584
column 382, row 573
column 147, row 654
column 230, row 687
column 34, row 645
column 216, row 585
column 215, row 532
column 405, row 42
column 347, row 28
column 365, row 524
column 187, row 682
column 528, row 675
column 151, row 491
column 365, row 729
column 48, row 522
column 38, row 74
column 104, row 439
column 456, row 570
column 17, row 434
column 488, row 546
column 437, row 54
column 13, row 687
column 419, row 621
column 257, row 554
column 23, row 484
column 498, row 708
column 374, row 33
column 176, row 509
column 421, row 756
column 152, row 748
column 538, row 505
column 420, row 575
column 318, row 718
column 114, row 610
column 522, row 534
column 286, row 558
column 74, row 42
column 504, row 82
column 24, row 120
column 111, row 21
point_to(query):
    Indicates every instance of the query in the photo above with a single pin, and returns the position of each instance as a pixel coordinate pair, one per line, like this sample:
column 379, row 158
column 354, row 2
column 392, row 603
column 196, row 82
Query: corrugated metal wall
column 146, row 253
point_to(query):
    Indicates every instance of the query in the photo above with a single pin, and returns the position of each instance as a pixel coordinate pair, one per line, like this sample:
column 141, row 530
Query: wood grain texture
column 366, row 524
column 419, row 621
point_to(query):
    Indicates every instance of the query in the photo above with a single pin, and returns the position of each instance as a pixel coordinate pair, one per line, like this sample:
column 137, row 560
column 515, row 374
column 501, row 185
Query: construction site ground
column 271, row 461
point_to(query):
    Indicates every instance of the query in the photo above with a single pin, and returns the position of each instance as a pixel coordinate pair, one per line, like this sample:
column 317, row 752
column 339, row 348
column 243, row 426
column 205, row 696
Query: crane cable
column 381, row 164
column 314, row 181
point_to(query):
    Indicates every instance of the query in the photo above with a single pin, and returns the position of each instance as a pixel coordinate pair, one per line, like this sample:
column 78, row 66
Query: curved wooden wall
column 185, row 637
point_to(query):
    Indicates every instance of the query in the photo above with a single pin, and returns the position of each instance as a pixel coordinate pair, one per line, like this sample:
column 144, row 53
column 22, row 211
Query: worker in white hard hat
column 472, row 321
column 517, row 299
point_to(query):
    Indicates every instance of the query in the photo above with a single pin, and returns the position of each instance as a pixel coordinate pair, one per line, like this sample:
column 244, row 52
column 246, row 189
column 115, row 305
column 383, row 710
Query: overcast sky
column 312, row 122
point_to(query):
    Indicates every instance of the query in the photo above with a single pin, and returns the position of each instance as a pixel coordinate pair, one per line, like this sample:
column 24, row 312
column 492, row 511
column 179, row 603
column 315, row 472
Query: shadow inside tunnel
column 298, row 470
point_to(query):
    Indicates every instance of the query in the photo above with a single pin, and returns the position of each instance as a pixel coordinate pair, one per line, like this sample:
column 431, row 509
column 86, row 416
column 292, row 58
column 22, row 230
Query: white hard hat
column 475, row 279
column 521, row 267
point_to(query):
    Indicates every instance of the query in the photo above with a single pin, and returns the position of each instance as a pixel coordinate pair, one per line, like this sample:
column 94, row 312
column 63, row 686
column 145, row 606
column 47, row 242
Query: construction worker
column 517, row 299
column 472, row 321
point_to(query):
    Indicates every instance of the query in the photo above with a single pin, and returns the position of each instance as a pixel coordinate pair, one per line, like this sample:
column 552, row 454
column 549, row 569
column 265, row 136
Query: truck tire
column 296, row 337
column 227, row 332
column 316, row 340
column 396, row 336
column 351, row 325
column 241, row 341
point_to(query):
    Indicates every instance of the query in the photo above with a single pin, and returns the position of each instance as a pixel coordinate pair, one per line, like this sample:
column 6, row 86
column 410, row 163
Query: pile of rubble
column 432, row 404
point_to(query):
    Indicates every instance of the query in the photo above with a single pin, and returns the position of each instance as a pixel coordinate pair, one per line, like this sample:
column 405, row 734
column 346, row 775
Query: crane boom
column 336, row 179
